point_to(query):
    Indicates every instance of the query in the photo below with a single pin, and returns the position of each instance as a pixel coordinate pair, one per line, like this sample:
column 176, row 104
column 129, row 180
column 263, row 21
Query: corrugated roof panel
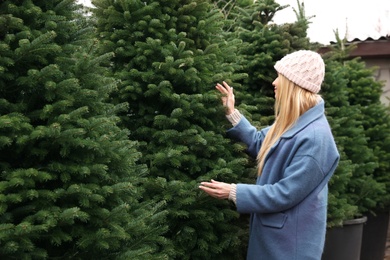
column 369, row 38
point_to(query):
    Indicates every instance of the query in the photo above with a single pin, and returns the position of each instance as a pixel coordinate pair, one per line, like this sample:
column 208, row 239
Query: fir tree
column 352, row 188
column 70, row 182
column 263, row 44
column 168, row 57
column 364, row 91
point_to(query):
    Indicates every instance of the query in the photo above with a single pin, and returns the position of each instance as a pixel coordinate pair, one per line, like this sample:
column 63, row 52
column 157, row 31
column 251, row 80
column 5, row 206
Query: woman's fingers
column 209, row 184
column 216, row 189
column 204, row 186
column 227, row 87
column 221, row 89
column 224, row 89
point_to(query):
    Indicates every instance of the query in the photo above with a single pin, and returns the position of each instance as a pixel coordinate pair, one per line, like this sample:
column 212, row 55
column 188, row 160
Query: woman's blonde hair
column 291, row 102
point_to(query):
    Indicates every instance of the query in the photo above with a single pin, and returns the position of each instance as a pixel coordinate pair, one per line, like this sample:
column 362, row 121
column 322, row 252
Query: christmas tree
column 168, row 57
column 364, row 91
column 71, row 184
column 352, row 189
column 264, row 42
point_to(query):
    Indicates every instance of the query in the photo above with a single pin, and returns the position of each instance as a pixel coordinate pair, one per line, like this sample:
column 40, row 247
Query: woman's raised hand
column 227, row 97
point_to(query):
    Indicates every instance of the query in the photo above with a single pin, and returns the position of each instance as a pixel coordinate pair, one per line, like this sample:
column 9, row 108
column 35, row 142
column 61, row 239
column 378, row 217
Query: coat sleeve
column 304, row 174
column 248, row 134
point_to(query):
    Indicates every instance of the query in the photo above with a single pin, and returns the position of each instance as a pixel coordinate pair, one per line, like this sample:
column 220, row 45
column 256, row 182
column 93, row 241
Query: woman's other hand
column 227, row 97
column 216, row 189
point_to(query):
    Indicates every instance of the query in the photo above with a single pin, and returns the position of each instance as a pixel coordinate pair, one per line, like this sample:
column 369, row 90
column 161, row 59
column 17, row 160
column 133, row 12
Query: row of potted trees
column 358, row 210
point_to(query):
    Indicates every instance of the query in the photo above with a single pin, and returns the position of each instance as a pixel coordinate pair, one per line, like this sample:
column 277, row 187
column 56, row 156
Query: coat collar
column 309, row 116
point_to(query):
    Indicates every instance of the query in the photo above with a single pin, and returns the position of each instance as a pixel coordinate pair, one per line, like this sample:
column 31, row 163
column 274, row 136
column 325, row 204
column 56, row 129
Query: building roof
column 371, row 47
column 366, row 48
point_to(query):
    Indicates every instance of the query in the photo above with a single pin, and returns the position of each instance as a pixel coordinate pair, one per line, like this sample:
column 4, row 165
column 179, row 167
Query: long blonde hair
column 291, row 102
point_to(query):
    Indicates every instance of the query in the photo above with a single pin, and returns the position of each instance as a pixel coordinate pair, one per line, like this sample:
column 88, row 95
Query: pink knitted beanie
column 304, row 68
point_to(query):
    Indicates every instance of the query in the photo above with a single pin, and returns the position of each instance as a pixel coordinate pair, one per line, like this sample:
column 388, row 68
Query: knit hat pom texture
column 304, row 68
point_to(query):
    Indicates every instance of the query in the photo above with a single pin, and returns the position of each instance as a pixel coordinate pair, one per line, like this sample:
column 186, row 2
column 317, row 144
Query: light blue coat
column 288, row 203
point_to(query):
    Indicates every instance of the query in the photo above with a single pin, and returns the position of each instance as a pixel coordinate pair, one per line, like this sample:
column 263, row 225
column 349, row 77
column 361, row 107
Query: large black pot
column 344, row 243
column 374, row 237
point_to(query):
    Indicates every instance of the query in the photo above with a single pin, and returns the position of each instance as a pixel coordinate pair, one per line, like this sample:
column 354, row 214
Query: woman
column 296, row 156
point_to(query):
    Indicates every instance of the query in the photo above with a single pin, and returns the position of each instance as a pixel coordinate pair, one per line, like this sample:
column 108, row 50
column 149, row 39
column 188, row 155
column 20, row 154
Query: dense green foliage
column 168, row 57
column 263, row 44
column 70, row 186
column 364, row 92
column 353, row 106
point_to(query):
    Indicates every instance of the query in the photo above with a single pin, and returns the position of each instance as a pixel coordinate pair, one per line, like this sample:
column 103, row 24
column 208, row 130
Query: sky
column 352, row 18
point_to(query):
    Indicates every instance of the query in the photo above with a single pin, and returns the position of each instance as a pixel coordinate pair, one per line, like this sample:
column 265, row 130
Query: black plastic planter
column 374, row 237
column 344, row 243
